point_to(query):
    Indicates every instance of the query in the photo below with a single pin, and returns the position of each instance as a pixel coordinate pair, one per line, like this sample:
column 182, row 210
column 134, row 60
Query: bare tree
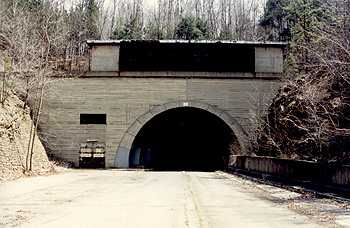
column 310, row 115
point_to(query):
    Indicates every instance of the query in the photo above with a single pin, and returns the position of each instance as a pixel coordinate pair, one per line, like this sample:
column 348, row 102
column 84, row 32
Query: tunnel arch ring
column 123, row 151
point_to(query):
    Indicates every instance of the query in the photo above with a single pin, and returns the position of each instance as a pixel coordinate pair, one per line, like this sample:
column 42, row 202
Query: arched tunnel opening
column 184, row 138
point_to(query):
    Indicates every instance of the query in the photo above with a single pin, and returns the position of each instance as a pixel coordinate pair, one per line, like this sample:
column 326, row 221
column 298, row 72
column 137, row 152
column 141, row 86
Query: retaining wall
column 320, row 173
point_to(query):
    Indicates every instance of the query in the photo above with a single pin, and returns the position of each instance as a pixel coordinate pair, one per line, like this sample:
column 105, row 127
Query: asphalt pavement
column 116, row 198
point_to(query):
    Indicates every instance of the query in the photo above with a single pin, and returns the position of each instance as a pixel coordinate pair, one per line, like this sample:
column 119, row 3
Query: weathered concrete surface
column 132, row 81
column 111, row 198
column 105, row 58
column 130, row 101
column 268, row 59
column 320, row 173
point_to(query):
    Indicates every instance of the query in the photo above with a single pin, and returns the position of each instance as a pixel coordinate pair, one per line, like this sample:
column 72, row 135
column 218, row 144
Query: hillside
column 309, row 120
column 15, row 124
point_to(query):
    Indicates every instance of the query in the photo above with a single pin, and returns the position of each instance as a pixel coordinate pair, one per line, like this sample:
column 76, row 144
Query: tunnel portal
column 183, row 139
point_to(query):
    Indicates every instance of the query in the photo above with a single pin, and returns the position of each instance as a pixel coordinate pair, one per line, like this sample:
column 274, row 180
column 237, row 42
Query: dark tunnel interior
column 188, row 139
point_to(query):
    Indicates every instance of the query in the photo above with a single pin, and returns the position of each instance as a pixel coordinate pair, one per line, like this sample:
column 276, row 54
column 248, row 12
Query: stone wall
column 125, row 99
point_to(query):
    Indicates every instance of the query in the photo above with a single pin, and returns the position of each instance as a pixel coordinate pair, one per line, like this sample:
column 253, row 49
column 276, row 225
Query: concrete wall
column 105, row 58
column 268, row 59
column 125, row 100
column 314, row 172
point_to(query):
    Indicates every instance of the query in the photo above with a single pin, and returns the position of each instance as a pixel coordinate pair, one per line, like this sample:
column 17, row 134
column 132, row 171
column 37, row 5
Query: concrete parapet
column 319, row 173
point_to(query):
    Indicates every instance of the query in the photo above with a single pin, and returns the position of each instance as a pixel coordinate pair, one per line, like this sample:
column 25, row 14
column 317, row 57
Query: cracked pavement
column 105, row 198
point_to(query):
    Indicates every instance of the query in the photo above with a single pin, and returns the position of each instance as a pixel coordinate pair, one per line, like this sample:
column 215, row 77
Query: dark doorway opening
column 183, row 139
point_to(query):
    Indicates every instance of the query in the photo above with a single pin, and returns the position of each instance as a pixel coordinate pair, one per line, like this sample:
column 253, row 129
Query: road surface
column 114, row 198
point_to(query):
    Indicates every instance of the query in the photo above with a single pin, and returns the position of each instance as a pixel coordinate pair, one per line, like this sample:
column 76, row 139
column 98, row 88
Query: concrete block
column 237, row 128
column 135, row 128
column 173, row 104
column 145, row 117
column 122, row 158
column 268, row 59
column 105, row 58
column 127, row 141
column 215, row 110
column 229, row 120
column 157, row 109
column 200, row 105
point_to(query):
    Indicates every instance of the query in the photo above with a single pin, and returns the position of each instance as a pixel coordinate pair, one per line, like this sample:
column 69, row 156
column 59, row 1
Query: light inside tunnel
column 183, row 139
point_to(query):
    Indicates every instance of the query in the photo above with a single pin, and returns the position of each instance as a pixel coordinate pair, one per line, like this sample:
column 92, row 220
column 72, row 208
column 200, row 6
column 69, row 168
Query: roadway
column 115, row 198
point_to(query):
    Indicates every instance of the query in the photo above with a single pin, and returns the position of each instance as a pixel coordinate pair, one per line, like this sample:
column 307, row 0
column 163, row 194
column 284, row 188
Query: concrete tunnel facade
column 238, row 134
column 116, row 100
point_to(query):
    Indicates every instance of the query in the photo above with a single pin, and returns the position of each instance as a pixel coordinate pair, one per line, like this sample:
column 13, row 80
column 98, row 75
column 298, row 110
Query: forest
column 309, row 117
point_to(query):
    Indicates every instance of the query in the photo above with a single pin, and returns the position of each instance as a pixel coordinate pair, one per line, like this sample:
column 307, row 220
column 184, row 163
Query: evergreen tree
column 130, row 30
column 226, row 34
column 309, row 18
column 275, row 20
column 192, row 28
column 154, row 32
column 309, row 117
column 91, row 19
